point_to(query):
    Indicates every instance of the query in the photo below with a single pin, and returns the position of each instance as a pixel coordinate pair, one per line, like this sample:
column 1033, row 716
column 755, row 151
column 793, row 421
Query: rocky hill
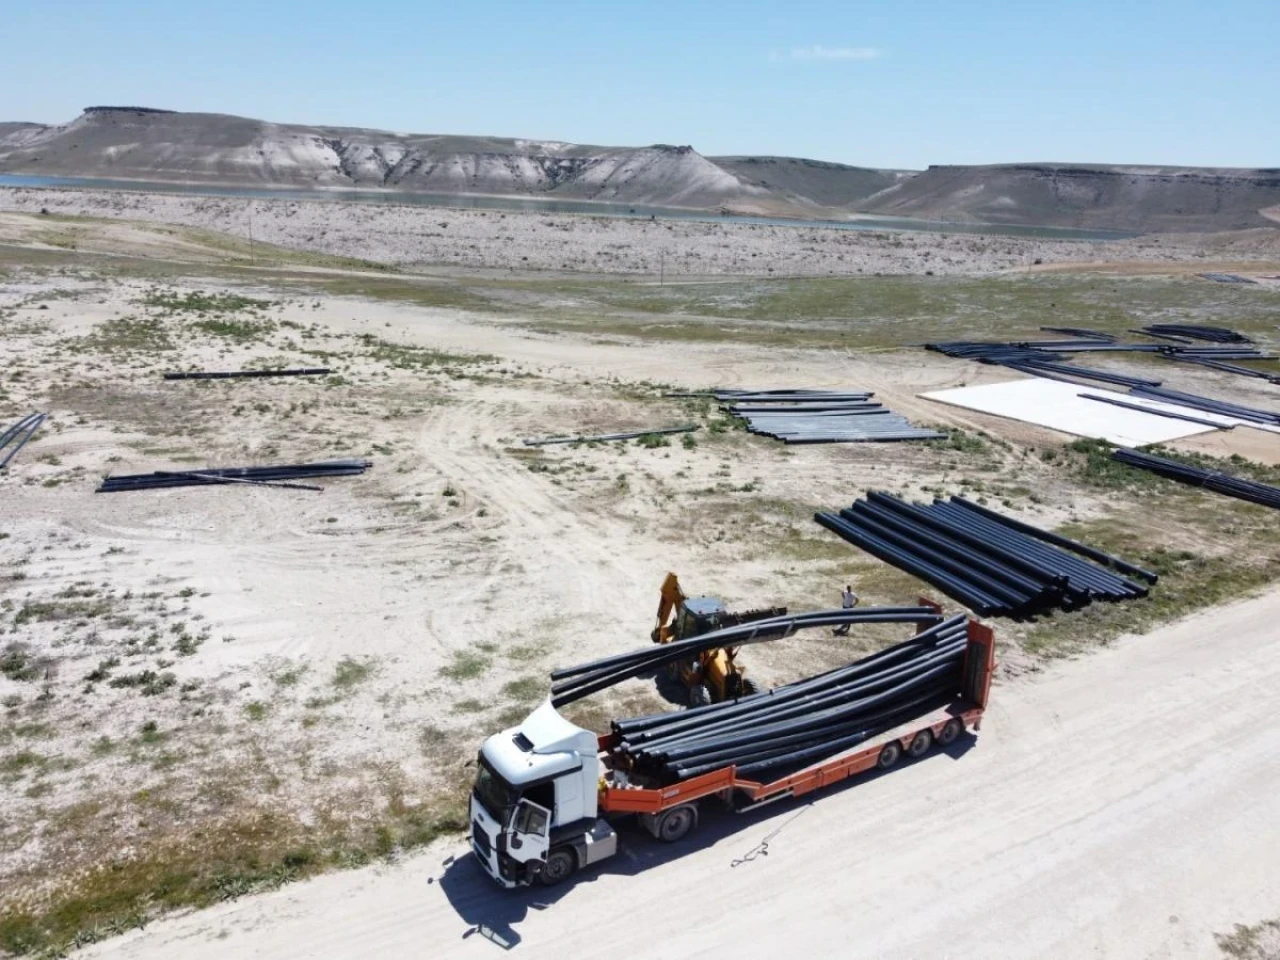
column 1143, row 199
column 140, row 143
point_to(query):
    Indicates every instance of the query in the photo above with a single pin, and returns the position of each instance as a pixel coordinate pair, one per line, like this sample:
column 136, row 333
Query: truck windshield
column 494, row 793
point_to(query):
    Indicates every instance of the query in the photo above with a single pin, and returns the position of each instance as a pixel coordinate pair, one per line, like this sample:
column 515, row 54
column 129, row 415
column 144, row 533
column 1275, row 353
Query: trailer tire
column 561, row 864
column 890, row 754
column 675, row 824
column 950, row 730
column 921, row 743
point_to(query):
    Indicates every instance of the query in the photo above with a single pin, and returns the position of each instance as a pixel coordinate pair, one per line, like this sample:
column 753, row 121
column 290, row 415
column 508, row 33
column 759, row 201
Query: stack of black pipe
column 820, row 416
column 1192, row 331
column 1261, row 493
column 994, row 565
column 574, row 683
column 802, row 722
column 232, row 475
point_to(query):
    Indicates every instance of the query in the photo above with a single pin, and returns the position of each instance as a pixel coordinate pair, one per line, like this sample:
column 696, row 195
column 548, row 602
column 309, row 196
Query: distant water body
column 540, row 205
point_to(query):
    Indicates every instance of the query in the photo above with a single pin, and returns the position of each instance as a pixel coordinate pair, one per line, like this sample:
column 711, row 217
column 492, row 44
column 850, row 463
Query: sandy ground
column 1086, row 821
column 532, row 241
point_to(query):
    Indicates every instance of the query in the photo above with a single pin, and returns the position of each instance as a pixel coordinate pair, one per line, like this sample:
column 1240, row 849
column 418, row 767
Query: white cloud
column 819, row 52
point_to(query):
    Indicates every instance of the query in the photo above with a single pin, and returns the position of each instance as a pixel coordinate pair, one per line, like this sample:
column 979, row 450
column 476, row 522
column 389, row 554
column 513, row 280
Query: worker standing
column 848, row 600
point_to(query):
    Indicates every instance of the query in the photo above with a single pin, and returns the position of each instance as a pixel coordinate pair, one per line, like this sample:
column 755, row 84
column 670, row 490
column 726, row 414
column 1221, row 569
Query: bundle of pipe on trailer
column 163, row 479
column 1195, row 332
column 574, row 683
column 1223, row 483
column 802, row 722
column 236, row 374
column 820, row 416
column 993, row 564
column 16, row 436
column 1220, row 407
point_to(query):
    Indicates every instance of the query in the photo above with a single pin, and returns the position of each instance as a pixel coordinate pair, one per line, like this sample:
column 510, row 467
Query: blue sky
column 891, row 85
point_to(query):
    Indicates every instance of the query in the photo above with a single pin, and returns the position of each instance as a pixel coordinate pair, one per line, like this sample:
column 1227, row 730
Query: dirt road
column 1120, row 805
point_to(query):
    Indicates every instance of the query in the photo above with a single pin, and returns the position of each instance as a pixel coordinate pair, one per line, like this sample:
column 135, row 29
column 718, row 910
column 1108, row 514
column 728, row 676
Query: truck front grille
column 480, row 840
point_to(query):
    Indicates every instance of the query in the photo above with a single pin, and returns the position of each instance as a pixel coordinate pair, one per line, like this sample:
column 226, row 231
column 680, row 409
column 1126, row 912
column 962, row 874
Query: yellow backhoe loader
column 713, row 675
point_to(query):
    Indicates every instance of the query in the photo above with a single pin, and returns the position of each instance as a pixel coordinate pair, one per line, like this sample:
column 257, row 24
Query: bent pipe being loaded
column 571, row 691
column 724, row 637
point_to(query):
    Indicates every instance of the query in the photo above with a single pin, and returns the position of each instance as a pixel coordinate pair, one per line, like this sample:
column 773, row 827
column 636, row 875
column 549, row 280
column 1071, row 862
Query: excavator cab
column 713, row 675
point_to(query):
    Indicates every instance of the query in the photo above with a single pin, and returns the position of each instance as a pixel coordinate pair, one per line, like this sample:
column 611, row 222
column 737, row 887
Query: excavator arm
column 671, row 601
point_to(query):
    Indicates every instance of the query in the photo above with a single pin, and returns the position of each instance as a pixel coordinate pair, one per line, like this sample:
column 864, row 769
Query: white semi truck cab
column 533, row 808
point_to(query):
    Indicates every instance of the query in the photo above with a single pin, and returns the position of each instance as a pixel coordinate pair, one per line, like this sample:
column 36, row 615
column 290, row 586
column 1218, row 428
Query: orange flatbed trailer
column 618, row 797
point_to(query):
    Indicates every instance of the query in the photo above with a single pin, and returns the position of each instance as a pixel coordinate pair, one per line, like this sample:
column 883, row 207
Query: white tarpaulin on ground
column 1060, row 406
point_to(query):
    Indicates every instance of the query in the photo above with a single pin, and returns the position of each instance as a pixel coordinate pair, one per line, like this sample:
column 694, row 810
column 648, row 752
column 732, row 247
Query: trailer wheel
column 675, row 824
column 699, row 695
column 890, row 753
column 920, row 743
column 560, row 865
column 950, row 730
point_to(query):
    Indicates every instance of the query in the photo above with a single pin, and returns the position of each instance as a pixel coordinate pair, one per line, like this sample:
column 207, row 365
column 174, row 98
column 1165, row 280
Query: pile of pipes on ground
column 1261, row 493
column 16, row 437
column 1186, row 332
column 574, row 683
column 819, row 416
column 994, row 565
column 275, row 476
column 1208, row 405
column 803, row 722
column 1044, row 358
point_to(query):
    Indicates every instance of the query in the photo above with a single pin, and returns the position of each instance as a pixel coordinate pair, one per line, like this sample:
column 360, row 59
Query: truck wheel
column 675, row 824
column 920, row 743
column 699, row 695
column 560, row 865
column 950, row 730
column 890, row 753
